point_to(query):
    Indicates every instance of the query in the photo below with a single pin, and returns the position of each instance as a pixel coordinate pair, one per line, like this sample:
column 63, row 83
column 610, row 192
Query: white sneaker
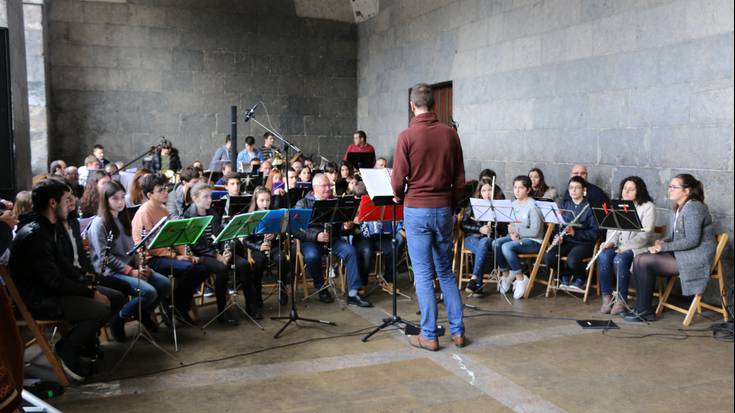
column 506, row 282
column 519, row 287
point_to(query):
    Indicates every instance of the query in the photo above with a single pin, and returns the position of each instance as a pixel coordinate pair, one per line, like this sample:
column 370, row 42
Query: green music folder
column 241, row 226
column 180, row 232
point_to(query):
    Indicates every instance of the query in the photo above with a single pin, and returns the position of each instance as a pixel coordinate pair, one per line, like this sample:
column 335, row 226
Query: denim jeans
column 429, row 237
column 365, row 248
column 480, row 246
column 151, row 289
column 575, row 253
column 313, row 252
column 610, row 263
column 509, row 250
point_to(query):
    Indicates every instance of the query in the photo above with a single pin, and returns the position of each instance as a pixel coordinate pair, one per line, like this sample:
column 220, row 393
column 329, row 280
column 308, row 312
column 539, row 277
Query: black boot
column 117, row 328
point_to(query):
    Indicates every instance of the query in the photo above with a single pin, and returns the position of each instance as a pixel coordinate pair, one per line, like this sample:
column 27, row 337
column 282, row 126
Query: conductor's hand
column 348, row 225
column 101, row 298
column 323, row 237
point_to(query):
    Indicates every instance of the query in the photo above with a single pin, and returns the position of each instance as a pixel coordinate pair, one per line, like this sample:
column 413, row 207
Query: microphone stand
column 293, row 315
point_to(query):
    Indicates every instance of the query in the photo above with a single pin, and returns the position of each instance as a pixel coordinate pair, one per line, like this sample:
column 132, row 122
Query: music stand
column 237, row 205
column 493, row 210
column 275, row 222
column 239, row 226
column 250, row 181
column 329, row 212
column 619, row 215
column 361, row 160
column 175, row 233
column 298, row 220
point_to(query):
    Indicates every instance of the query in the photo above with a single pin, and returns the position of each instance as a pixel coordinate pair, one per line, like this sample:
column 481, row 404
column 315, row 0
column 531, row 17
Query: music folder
column 617, row 214
column 377, row 184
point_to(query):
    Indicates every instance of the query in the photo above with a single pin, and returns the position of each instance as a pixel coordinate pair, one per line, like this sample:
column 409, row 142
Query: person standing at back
column 428, row 175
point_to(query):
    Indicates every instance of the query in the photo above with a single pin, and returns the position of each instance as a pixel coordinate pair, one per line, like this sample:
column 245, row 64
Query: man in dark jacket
column 49, row 293
column 314, row 244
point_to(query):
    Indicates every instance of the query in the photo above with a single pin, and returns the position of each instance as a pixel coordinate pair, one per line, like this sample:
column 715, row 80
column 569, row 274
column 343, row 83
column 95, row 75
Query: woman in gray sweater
column 112, row 217
column 687, row 251
column 524, row 237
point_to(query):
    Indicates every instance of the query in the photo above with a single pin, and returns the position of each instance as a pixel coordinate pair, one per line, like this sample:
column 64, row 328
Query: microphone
column 250, row 113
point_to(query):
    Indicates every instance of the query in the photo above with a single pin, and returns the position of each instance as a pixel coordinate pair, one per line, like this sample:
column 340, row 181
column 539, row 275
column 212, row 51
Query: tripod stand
column 142, row 331
column 329, row 284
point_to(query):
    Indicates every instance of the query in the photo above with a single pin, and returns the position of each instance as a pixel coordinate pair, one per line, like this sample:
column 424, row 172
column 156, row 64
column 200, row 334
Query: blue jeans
column 313, row 251
column 429, row 237
column 480, row 246
column 509, row 250
column 156, row 286
column 610, row 263
column 188, row 277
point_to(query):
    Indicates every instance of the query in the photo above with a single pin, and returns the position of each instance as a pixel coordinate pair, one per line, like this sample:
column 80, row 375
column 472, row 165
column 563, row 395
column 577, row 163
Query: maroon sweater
column 428, row 165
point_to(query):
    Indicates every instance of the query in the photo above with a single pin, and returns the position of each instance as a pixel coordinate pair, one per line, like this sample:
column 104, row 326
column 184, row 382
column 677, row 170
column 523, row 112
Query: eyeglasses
column 672, row 187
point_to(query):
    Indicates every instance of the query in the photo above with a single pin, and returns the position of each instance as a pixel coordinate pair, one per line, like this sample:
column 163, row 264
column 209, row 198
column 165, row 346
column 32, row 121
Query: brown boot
column 606, row 304
column 420, row 342
column 618, row 308
column 459, row 340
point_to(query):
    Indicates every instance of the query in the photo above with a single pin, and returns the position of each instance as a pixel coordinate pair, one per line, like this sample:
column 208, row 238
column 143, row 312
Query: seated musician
column 48, row 291
column 577, row 241
column 135, row 196
column 113, row 218
column 179, row 199
column 187, row 270
column 524, row 237
column 305, row 174
column 381, row 163
column 76, row 261
column 687, row 250
column 232, row 183
column 219, row 263
column 226, row 169
column 221, row 155
column 314, row 244
column 620, row 247
column 478, row 239
column 264, row 247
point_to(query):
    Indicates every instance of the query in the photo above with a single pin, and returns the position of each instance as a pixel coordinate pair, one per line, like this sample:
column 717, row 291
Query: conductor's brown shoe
column 424, row 343
column 459, row 340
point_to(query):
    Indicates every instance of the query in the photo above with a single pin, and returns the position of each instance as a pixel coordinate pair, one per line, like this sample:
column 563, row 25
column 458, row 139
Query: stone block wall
column 122, row 74
column 626, row 87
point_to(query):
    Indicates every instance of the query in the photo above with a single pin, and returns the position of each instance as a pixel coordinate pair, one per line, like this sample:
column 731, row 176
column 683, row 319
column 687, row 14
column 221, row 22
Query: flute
column 559, row 237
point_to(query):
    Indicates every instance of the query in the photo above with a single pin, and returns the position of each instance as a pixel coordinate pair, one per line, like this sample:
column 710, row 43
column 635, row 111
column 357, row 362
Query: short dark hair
column 524, row 179
column 188, row 173
column 231, row 175
column 55, row 165
column 250, row 140
column 579, row 180
column 266, row 135
column 362, row 134
column 150, row 182
column 47, row 190
column 422, row 96
column 98, row 146
column 228, row 138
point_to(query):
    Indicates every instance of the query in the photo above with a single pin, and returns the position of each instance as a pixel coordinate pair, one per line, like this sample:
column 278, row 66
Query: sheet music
column 499, row 210
column 550, row 212
column 377, row 182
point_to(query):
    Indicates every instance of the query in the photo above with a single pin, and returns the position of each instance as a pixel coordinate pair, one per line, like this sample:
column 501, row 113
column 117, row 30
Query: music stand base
column 387, row 322
column 232, row 302
column 293, row 317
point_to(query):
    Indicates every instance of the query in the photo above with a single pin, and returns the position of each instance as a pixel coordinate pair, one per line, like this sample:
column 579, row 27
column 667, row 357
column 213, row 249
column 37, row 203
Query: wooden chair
column 538, row 259
column 717, row 273
column 552, row 282
column 35, row 326
column 466, row 264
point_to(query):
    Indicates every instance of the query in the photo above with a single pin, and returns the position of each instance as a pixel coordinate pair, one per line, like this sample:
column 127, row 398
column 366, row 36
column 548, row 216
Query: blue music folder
column 274, row 222
column 218, row 195
column 299, row 219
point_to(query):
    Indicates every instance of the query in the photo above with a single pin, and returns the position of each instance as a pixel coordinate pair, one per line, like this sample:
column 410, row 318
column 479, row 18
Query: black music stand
column 250, row 181
column 361, row 160
column 237, row 205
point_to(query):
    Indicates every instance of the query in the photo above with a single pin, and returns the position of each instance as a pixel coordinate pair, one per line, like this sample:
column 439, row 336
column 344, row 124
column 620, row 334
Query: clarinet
column 105, row 258
column 558, row 238
column 141, row 254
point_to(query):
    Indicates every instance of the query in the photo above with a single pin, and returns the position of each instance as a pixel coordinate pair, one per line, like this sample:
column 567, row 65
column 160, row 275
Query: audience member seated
column 577, row 242
column 112, row 218
column 135, row 194
column 620, row 247
column 314, row 243
column 524, row 237
column 687, row 250
column 91, row 164
column 187, row 270
column 540, row 188
column 91, row 198
column 48, row 292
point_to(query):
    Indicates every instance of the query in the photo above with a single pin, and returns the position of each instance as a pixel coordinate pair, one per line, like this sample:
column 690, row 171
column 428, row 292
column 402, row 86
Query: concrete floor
column 514, row 363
